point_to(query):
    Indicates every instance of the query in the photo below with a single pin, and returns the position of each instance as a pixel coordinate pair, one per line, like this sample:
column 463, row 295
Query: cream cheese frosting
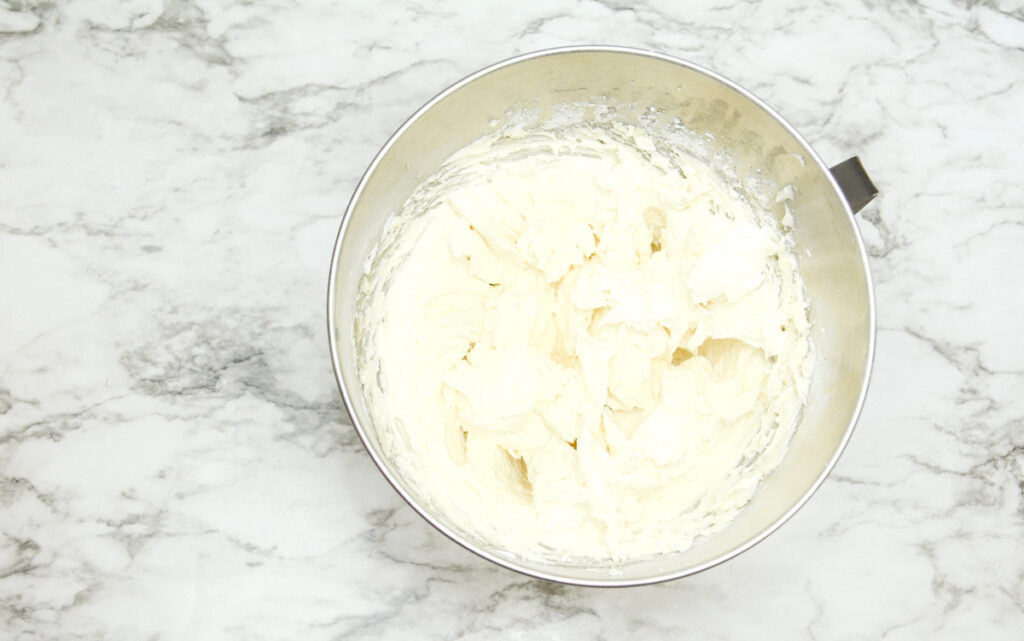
column 578, row 346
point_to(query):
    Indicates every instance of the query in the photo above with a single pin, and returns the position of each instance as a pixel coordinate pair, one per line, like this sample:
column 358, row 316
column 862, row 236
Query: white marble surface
column 175, row 462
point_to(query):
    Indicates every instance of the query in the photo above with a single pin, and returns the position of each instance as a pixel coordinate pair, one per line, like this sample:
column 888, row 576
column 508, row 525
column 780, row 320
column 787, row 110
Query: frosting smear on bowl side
column 579, row 347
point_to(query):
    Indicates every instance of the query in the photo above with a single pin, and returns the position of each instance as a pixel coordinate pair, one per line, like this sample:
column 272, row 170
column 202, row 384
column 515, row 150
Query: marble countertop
column 175, row 462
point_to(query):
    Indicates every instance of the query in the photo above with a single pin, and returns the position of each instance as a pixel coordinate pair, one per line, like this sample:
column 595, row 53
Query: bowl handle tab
column 854, row 182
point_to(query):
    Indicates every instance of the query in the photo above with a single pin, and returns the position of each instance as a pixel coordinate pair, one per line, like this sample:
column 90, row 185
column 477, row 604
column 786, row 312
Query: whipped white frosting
column 577, row 346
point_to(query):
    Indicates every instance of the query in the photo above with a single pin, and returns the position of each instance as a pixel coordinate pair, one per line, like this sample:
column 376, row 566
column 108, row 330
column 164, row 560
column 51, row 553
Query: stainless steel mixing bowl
column 763, row 152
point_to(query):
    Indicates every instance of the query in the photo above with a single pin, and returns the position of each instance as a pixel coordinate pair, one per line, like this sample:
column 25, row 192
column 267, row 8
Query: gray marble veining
column 175, row 462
